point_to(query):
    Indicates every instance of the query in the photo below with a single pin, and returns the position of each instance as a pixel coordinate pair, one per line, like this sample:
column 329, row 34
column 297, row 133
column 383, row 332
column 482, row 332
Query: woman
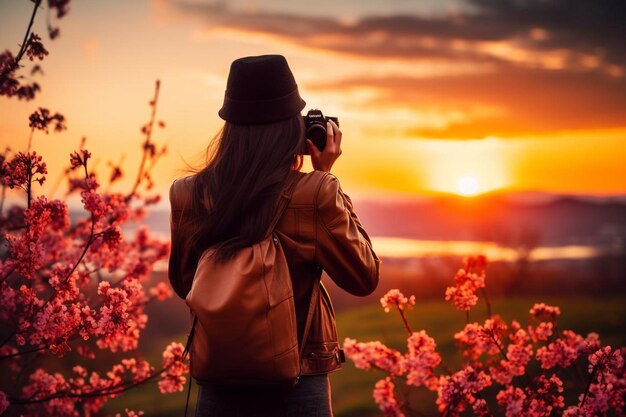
column 230, row 203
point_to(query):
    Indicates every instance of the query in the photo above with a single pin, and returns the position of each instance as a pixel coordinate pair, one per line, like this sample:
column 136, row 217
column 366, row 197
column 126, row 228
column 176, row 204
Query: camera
column 315, row 126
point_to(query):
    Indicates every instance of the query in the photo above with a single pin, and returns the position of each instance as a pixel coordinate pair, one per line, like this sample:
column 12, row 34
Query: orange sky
column 427, row 92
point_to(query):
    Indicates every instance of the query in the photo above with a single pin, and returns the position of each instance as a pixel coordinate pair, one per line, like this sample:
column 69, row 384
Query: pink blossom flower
column 4, row 403
column 517, row 357
column 27, row 91
column 35, row 48
column 8, row 301
column 421, row 360
column 374, row 354
column 592, row 342
column 94, row 203
column 540, row 310
column 8, row 83
column 27, row 254
column 541, row 332
column 42, row 118
column 538, row 400
column 62, row 7
column 607, row 392
column 606, row 361
column 562, row 352
column 78, row 160
column 112, row 237
column 161, row 291
column 84, row 184
column 130, row 413
column 458, row 390
column 395, row 298
column 512, row 399
column 385, row 397
column 119, row 322
column 63, row 281
column 480, row 408
column 478, row 339
column 173, row 379
column 478, row 261
column 466, row 283
column 23, row 169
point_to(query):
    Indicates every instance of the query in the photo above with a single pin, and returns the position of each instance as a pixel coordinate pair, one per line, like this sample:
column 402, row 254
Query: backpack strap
column 315, row 294
column 283, row 201
column 186, row 353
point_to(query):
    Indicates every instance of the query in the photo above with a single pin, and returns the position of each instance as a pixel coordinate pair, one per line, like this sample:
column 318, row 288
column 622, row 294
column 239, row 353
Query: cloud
column 582, row 27
column 553, row 64
column 530, row 100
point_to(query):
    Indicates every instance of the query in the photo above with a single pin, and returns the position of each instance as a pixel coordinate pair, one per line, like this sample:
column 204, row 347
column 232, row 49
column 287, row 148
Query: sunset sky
column 521, row 95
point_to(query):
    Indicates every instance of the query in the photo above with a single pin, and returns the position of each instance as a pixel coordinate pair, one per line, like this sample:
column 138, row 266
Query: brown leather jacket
column 319, row 231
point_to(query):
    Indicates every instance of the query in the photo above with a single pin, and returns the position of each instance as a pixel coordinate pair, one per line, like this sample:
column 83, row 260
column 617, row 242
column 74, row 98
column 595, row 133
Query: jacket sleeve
column 343, row 248
column 180, row 269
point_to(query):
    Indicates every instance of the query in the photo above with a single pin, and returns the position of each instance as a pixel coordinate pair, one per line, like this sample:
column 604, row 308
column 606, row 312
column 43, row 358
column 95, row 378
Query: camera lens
column 317, row 134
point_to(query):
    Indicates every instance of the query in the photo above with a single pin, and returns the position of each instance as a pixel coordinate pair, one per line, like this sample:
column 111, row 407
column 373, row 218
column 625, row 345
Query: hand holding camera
column 323, row 139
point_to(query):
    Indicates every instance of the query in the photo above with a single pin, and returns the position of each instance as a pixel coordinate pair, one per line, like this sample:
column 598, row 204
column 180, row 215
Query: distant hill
column 500, row 217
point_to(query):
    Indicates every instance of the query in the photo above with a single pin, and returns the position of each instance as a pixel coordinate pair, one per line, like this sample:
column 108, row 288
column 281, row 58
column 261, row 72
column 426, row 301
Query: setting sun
column 468, row 185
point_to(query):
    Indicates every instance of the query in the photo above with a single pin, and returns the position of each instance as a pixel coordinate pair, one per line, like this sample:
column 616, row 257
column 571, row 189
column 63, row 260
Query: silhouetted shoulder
column 180, row 190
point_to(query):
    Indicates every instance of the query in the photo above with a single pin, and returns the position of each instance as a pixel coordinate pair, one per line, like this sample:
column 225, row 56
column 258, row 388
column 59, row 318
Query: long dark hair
column 235, row 195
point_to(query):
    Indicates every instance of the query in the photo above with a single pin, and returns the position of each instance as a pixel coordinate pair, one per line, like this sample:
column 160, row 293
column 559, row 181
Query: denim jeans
column 309, row 398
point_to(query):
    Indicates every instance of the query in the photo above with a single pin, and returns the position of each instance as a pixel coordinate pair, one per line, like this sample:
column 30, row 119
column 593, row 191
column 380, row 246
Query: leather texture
column 318, row 231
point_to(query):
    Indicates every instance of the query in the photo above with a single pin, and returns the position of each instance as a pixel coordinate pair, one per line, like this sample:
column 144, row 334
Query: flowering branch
column 46, row 292
column 397, row 299
column 26, row 40
column 10, row 64
column 495, row 353
column 148, row 146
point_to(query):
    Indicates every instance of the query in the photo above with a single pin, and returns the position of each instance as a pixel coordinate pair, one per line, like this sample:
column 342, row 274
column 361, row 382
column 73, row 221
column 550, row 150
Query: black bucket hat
column 260, row 89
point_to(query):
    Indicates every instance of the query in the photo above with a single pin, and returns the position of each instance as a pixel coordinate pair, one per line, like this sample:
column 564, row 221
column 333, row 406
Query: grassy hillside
column 351, row 388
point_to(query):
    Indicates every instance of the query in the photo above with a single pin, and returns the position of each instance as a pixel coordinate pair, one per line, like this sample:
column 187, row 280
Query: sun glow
column 466, row 167
column 468, row 185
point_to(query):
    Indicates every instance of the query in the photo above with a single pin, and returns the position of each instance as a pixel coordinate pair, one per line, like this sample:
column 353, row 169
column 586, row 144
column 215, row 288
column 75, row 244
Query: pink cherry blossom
column 480, row 408
column 4, row 403
column 459, row 390
column 562, row 352
column 79, row 159
column 477, row 339
column 541, row 310
column 466, row 283
column 385, row 397
column 512, row 400
column 61, row 6
column 22, row 170
column 421, row 359
column 541, row 332
column 130, row 413
column 173, row 379
column 374, row 354
column 35, row 48
column 395, row 298
column 43, row 118
column 606, row 360
column 161, row 291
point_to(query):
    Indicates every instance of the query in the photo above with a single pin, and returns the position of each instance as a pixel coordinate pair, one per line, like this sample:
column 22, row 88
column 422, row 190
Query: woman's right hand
column 324, row 160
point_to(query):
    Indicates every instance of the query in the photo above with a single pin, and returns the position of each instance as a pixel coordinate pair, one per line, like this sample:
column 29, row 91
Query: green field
column 351, row 388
